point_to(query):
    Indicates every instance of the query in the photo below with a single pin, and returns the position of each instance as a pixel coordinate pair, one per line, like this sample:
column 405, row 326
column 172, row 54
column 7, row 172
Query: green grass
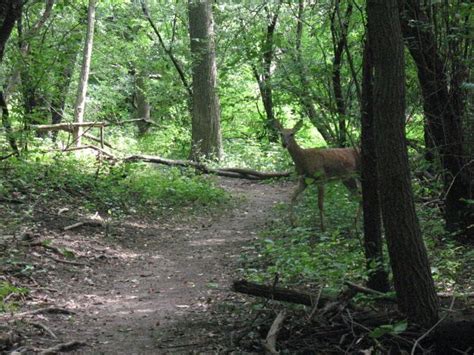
column 114, row 189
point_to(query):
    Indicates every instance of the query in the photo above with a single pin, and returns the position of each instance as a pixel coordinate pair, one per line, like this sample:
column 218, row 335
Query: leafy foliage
column 106, row 188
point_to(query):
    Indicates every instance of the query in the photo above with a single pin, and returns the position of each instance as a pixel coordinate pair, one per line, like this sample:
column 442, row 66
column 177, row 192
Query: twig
column 46, row 310
column 89, row 222
column 316, row 304
column 42, row 327
column 270, row 341
column 46, row 246
column 76, row 263
column 72, row 226
column 63, row 347
column 369, row 291
column 7, row 156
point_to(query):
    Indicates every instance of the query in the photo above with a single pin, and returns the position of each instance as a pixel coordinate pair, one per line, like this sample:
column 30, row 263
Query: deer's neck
column 297, row 153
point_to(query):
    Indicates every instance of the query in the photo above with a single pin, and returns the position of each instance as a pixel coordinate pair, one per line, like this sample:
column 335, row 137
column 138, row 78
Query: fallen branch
column 228, row 172
column 75, row 263
column 96, row 139
column 42, row 327
column 7, row 156
column 94, row 223
column 63, row 347
column 369, row 291
column 278, row 293
column 46, row 246
column 270, row 341
column 46, row 310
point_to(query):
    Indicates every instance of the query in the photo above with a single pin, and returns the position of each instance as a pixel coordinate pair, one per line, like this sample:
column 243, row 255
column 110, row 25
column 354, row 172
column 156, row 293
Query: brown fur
column 322, row 165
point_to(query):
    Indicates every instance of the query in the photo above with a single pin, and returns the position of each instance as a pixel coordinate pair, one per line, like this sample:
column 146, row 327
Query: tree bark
column 206, row 132
column 443, row 105
column 377, row 277
column 305, row 97
column 411, row 272
column 264, row 78
column 58, row 102
column 10, row 12
column 143, row 105
column 339, row 45
column 86, row 62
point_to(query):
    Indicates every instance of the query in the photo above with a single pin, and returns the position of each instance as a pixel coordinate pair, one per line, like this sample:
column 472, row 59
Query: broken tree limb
column 96, row 139
column 278, row 293
column 228, row 172
column 93, row 147
column 270, row 341
column 369, row 291
column 63, row 347
column 46, row 310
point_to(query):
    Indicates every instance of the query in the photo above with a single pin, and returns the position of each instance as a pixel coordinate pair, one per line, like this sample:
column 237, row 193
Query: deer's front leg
column 321, row 205
column 299, row 189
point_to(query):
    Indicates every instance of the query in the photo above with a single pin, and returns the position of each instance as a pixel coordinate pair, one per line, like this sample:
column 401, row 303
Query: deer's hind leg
column 294, row 198
column 352, row 185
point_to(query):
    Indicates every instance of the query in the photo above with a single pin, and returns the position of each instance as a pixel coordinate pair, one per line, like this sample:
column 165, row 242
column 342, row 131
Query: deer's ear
column 298, row 126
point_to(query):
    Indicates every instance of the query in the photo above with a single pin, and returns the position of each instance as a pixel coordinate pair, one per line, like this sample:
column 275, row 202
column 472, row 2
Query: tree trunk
column 206, row 133
column 86, row 62
column 378, row 278
column 411, row 272
column 264, row 79
column 10, row 12
column 339, row 45
column 443, row 105
column 305, row 97
column 58, row 102
column 143, row 105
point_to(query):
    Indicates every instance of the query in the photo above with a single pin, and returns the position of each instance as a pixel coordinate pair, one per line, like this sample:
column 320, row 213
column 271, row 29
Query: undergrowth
column 100, row 186
column 305, row 256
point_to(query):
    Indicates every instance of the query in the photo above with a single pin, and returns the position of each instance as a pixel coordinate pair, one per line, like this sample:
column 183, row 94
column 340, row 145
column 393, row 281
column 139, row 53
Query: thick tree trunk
column 206, row 132
column 378, row 278
column 143, row 105
column 10, row 12
column 443, row 105
column 411, row 272
column 86, row 62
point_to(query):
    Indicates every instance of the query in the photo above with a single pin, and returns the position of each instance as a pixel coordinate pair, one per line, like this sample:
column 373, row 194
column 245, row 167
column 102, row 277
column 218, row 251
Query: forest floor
column 157, row 286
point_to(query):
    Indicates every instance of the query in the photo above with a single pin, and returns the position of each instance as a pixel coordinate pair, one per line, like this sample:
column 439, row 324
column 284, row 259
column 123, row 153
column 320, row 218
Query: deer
column 320, row 165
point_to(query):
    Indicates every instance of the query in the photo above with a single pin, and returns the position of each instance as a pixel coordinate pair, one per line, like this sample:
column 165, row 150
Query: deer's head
column 288, row 134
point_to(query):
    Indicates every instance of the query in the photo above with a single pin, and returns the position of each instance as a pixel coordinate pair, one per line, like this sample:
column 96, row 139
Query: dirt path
column 162, row 287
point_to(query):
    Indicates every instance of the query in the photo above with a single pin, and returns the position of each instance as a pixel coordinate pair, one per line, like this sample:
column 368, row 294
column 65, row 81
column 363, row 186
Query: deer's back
column 332, row 162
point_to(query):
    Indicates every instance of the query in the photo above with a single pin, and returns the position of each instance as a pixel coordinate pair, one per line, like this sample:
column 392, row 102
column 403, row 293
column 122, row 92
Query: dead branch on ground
column 270, row 342
column 228, row 172
column 63, row 347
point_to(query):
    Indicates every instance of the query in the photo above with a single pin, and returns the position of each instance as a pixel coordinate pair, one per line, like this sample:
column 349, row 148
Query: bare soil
column 156, row 286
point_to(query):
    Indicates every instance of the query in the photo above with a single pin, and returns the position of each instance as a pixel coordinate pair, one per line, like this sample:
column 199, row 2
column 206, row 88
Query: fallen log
column 228, row 172
column 279, row 293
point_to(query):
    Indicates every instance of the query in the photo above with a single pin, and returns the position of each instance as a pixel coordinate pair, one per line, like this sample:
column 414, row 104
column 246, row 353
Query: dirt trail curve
column 161, row 292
